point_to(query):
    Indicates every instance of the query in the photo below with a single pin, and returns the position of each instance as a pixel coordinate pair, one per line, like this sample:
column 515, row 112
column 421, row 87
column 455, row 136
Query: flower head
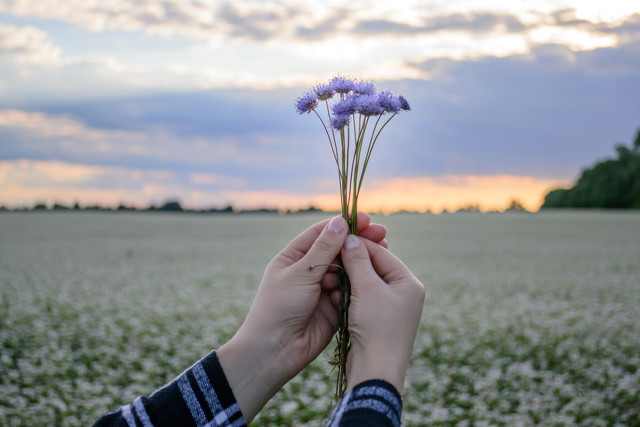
column 306, row 103
column 324, row 91
column 345, row 107
column 364, row 88
column 368, row 105
column 339, row 121
column 403, row 103
column 341, row 84
column 389, row 102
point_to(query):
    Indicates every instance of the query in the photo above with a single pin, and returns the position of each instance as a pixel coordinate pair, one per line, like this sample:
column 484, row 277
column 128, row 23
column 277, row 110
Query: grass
column 529, row 319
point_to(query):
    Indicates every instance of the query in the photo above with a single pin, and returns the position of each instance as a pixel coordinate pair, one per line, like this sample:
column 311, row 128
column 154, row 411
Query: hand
column 384, row 313
column 292, row 318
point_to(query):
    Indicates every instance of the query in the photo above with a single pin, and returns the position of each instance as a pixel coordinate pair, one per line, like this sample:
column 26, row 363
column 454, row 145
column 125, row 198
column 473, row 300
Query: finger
column 325, row 248
column 357, row 262
column 363, row 221
column 385, row 264
column 384, row 243
column 299, row 246
column 334, row 297
column 329, row 281
column 375, row 232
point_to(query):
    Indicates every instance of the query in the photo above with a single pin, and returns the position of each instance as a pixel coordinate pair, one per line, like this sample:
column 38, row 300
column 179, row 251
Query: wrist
column 383, row 365
column 254, row 371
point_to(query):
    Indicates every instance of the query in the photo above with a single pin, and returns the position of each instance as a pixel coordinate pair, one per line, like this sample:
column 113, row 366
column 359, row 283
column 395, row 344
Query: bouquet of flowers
column 353, row 116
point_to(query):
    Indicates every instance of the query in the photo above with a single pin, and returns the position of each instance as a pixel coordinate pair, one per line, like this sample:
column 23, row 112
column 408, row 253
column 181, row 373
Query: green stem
column 372, row 142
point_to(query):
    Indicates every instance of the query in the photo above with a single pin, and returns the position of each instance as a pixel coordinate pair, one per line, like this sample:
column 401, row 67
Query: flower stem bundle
column 353, row 114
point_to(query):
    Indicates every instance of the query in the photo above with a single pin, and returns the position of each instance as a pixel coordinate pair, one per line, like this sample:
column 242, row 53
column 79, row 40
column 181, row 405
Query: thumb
column 356, row 260
column 326, row 247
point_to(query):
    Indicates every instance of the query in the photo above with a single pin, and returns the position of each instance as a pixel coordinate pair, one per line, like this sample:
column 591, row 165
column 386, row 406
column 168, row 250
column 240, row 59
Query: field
column 529, row 318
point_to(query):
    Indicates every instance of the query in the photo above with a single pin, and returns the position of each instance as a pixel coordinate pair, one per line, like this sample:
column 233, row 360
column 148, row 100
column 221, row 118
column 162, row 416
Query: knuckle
column 356, row 255
column 419, row 289
column 323, row 245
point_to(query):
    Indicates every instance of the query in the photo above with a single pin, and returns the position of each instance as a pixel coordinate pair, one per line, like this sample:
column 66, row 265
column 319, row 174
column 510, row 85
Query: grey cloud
column 257, row 24
column 547, row 113
column 381, row 26
column 325, row 27
column 480, row 22
column 628, row 27
column 567, row 18
column 266, row 21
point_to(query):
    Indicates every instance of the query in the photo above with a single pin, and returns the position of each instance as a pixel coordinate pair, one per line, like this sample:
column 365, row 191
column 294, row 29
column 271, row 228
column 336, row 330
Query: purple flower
column 324, row 91
column 345, row 107
column 306, row 103
column 339, row 121
column 389, row 102
column 341, row 84
column 364, row 88
column 404, row 105
column 368, row 105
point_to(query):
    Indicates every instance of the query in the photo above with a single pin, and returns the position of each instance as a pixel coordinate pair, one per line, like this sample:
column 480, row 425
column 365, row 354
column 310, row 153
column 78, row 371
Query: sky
column 138, row 102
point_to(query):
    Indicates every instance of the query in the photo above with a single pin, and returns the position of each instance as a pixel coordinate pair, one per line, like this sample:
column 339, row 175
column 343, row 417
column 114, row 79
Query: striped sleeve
column 371, row 403
column 200, row 396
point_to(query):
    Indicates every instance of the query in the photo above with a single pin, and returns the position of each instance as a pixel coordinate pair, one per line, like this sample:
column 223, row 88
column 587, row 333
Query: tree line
column 612, row 183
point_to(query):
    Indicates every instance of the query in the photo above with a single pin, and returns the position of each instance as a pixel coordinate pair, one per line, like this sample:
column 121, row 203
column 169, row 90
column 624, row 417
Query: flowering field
column 529, row 319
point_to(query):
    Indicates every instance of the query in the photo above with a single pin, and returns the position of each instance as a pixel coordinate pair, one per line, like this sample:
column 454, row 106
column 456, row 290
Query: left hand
column 293, row 316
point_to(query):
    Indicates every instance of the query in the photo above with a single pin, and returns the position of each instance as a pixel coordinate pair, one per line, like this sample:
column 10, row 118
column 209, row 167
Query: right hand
column 384, row 313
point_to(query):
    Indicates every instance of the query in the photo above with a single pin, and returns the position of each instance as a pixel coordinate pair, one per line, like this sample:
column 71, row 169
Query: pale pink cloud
column 28, row 45
column 28, row 181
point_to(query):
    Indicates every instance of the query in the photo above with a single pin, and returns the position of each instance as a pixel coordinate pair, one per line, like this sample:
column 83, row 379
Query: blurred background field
column 529, row 318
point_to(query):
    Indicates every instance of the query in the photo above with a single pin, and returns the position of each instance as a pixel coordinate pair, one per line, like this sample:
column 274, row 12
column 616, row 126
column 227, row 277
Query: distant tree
column 122, row 207
column 515, row 206
column 171, row 205
column 471, row 207
column 310, row 209
column 609, row 184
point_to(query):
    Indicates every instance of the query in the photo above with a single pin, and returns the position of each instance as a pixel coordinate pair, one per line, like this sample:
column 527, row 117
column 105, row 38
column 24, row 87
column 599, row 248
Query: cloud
column 221, row 157
column 474, row 22
column 263, row 21
column 199, row 19
column 629, row 26
column 318, row 29
column 25, row 182
column 36, row 173
column 27, row 45
column 261, row 44
column 548, row 113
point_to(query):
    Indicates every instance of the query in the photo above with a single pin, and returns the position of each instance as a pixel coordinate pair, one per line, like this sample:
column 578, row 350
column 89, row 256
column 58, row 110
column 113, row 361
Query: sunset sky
column 141, row 101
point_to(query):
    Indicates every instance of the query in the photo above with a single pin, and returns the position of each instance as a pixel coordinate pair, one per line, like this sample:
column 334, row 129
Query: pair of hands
column 293, row 317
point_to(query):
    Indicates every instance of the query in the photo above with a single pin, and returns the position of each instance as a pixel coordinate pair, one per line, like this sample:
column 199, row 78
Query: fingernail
column 337, row 224
column 352, row 242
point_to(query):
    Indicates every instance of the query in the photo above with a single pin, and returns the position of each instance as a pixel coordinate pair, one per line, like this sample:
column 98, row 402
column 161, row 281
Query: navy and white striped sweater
column 201, row 396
